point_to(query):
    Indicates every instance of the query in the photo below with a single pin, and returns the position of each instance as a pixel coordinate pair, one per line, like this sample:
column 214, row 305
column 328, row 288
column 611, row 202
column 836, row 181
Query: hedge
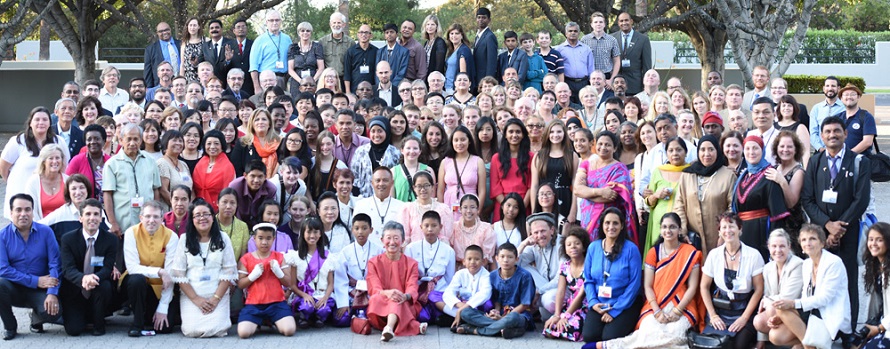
column 814, row 83
column 819, row 46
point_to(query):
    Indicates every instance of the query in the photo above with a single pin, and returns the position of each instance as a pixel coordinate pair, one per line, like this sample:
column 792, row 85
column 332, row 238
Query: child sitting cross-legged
column 469, row 288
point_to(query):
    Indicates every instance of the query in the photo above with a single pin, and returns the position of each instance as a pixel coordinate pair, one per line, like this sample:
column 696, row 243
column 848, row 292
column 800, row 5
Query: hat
column 390, row 26
column 483, row 11
column 850, row 87
column 541, row 216
column 270, row 226
column 712, row 118
column 755, row 139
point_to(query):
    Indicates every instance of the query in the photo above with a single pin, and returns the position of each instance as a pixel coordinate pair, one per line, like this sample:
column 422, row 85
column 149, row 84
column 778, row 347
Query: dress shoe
column 37, row 328
column 134, row 333
column 98, row 332
column 7, row 335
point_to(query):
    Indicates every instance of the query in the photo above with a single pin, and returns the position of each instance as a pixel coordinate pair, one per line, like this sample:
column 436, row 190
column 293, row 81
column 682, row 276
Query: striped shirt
column 553, row 61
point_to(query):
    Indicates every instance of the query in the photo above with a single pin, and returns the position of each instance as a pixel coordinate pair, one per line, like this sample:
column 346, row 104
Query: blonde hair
column 434, row 19
column 107, row 71
column 320, row 84
column 132, row 107
column 271, row 135
column 45, row 153
column 652, row 114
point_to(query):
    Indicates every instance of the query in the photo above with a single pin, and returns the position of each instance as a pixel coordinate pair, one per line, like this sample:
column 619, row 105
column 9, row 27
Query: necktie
column 238, row 96
column 88, row 264
column 240, row 48
column 834, row 167
column 216, row 49
column 509, row 58
column 625, row 39
column 756, row 96
column 174, row 57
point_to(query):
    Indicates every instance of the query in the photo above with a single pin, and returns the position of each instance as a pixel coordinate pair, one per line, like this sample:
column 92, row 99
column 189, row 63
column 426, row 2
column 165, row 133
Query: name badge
column 137, row 202
column 426, row 278
column 185, row 176
column 625, row 63
column 829, row 196
column 279, row 65
column 205, row 277
column 361, row 285
column 455, row 207
column 97, row 261
column 604, row 292
column 304, row 74
column 364, row 69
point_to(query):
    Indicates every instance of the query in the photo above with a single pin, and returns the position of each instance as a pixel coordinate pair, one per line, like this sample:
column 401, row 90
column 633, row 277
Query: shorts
column 256, row 313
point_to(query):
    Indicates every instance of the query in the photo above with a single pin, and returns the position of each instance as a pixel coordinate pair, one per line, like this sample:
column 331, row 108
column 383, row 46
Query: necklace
column 732, row 256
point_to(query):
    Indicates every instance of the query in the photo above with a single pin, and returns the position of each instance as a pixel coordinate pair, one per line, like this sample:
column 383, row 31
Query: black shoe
column 303, row 323
column 134, row 333
column 98, row 332
column 37, row 328
column 512, row 332
column 318, row 324
column 125, row 311
column 7, row 335
column 847, row 340
column 444, row 320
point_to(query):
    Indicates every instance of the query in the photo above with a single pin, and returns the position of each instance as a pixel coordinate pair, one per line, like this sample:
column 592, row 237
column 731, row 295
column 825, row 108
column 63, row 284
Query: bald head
column 384, row 72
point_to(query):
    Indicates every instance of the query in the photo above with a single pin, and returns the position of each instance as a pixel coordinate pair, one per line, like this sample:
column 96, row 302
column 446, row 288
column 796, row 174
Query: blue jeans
column 486, row 326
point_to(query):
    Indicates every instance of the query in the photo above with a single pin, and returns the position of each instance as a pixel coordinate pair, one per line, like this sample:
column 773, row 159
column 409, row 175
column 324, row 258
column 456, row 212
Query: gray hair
column 338, row 13
column 151, row 203
column 393, row 225
column 235, row 71
column 779, row 233
column 63, row 100
column 305, row 25
column 572, row 25
column 127, row 127
column 436, row 72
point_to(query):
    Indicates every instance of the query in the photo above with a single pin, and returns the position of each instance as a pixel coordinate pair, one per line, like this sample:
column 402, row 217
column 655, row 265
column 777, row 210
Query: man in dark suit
column 65, row 127
column 219, row 51
column 636, row 53
column 485, row 49
column 235, row 80
column 385, row 88
column 836, row 192
column 88, row 257
column 165, row 49
column 512, row 58
column 242, row 59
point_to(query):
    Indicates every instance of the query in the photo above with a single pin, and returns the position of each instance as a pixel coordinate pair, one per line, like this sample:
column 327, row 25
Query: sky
column 424, row 4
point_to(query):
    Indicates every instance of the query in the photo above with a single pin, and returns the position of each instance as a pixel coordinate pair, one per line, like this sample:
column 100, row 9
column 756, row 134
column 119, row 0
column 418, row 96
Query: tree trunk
column 343, row 8
column 45, row 33
column 642, row 8
column 85, row 62
column 709, row 43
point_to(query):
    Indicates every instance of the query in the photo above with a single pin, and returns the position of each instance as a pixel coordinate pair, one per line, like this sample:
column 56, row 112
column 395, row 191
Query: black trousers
column 144, row 303
column 595, row 330
column 576, row 85
column 78, row 311
column 15, row 295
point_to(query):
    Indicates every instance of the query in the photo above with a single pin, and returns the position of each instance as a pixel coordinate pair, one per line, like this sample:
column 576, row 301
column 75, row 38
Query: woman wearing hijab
column 379, row 152
column 759, row 202
column 705, row 192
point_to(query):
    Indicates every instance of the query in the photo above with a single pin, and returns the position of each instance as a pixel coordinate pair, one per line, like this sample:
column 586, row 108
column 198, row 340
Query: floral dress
column 574, row 285
column 191, row 70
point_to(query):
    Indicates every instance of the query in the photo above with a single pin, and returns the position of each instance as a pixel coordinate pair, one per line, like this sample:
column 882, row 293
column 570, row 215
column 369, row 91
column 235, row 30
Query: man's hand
column 836, row 228
column 229, row 53
column 47, row 281
column 167, row 282
column 89, row 282
column 115, row 229
column 160, row 321
column 51, row 304
column 115, row 274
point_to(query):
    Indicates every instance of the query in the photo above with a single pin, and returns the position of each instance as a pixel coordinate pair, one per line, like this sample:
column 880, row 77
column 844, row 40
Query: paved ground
column 328, row 337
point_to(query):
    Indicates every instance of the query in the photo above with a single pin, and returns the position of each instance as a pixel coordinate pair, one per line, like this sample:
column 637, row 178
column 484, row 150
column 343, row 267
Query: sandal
column 465, row 329
column 423, row 327
column 387, row 334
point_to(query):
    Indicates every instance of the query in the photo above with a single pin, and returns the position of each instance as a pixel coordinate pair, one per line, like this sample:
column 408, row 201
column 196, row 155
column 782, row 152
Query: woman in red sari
column 392, row 287
column 671, row 273
column 214, row 172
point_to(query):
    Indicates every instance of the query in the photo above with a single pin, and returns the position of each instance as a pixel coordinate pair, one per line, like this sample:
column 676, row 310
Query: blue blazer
column 398, row 62
column 485, row 51
column 519, row 62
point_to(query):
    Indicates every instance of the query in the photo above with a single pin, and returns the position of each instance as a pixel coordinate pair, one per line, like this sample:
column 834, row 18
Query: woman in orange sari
column 392, row 287
column 671, row 281
column 261, row 142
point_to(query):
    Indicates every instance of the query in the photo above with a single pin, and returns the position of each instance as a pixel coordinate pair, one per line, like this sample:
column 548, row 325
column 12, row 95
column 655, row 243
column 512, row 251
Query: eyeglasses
column 545, row 194
column 202, row 215
column 418, row 88
column 164, row 31
column 422, row 187
column 227, row 110
column 305, row 31
column 404, row 90
column 364, row 88
column 536, row 126
column 294, row 141
column 364, row 33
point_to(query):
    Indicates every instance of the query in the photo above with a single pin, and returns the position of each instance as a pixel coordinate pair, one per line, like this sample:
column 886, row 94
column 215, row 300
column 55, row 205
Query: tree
column 305, row 12
column 757, row 28
column 81, row 23
column 376, row 13
column 17, row 23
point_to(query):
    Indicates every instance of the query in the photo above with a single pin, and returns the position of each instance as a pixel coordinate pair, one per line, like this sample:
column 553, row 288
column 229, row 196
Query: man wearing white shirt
column 435, row 264
column 830, row 107
column 111, row 96
column 381, row 207
column 762, row 116
column 350, row 276
column 148, row 282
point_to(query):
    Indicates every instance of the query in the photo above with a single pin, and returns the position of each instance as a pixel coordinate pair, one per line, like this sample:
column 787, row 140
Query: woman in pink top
column 460, row 171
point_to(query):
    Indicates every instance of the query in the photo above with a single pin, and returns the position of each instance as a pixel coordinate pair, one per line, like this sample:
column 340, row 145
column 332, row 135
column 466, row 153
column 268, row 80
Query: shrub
column 814, row 83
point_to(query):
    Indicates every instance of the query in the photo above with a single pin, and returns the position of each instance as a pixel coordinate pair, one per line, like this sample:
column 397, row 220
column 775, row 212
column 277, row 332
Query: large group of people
column 439, row 182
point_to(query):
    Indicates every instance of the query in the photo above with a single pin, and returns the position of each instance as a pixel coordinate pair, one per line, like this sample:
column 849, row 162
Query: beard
column 337, row 31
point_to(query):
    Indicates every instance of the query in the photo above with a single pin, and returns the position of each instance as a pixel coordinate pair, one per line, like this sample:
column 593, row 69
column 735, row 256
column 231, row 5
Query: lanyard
column 135, row 176
column 606, row 269
column 426, row 269
column 359, row 261
column 277, row 45
column 382, row 216
column 547, row 260
column 204, row 256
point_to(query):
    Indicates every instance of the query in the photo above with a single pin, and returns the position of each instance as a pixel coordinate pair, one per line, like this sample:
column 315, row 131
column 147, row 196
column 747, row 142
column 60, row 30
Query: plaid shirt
column 603, row 49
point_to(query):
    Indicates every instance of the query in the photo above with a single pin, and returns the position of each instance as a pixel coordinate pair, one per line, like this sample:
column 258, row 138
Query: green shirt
column 129, row 179
column 401, row 186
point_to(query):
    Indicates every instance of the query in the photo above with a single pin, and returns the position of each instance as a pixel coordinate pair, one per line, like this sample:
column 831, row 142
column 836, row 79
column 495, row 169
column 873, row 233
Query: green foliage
column 516, row 15
column 302, row 11
column 376, row 13
column 814, row 83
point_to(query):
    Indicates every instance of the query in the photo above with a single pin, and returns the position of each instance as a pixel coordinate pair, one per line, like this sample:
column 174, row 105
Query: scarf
column 699, row 168
column 379, row 150
column 314, row 266
column 671, row 168
column 268, row 153
column 763, row 164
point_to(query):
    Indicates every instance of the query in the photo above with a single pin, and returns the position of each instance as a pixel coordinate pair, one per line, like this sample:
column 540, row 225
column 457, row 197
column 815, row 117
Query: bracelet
column 217, row 297
column 677, row 311
column 657, row 312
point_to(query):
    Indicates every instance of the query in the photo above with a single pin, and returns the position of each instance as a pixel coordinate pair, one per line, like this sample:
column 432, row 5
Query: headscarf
column 575, row 120
column 699, row 168
column 378, row 150
column 763, row 164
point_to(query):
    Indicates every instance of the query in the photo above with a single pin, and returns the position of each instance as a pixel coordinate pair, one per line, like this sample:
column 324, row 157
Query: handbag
column 697, row 340
column 359, row 299
column 360, row 325
column 880, row 162
column 694, row 239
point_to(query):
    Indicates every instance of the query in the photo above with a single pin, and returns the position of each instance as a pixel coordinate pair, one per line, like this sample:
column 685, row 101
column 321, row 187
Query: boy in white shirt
column 350, row 277
column 435, row 264
column 470, row 287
